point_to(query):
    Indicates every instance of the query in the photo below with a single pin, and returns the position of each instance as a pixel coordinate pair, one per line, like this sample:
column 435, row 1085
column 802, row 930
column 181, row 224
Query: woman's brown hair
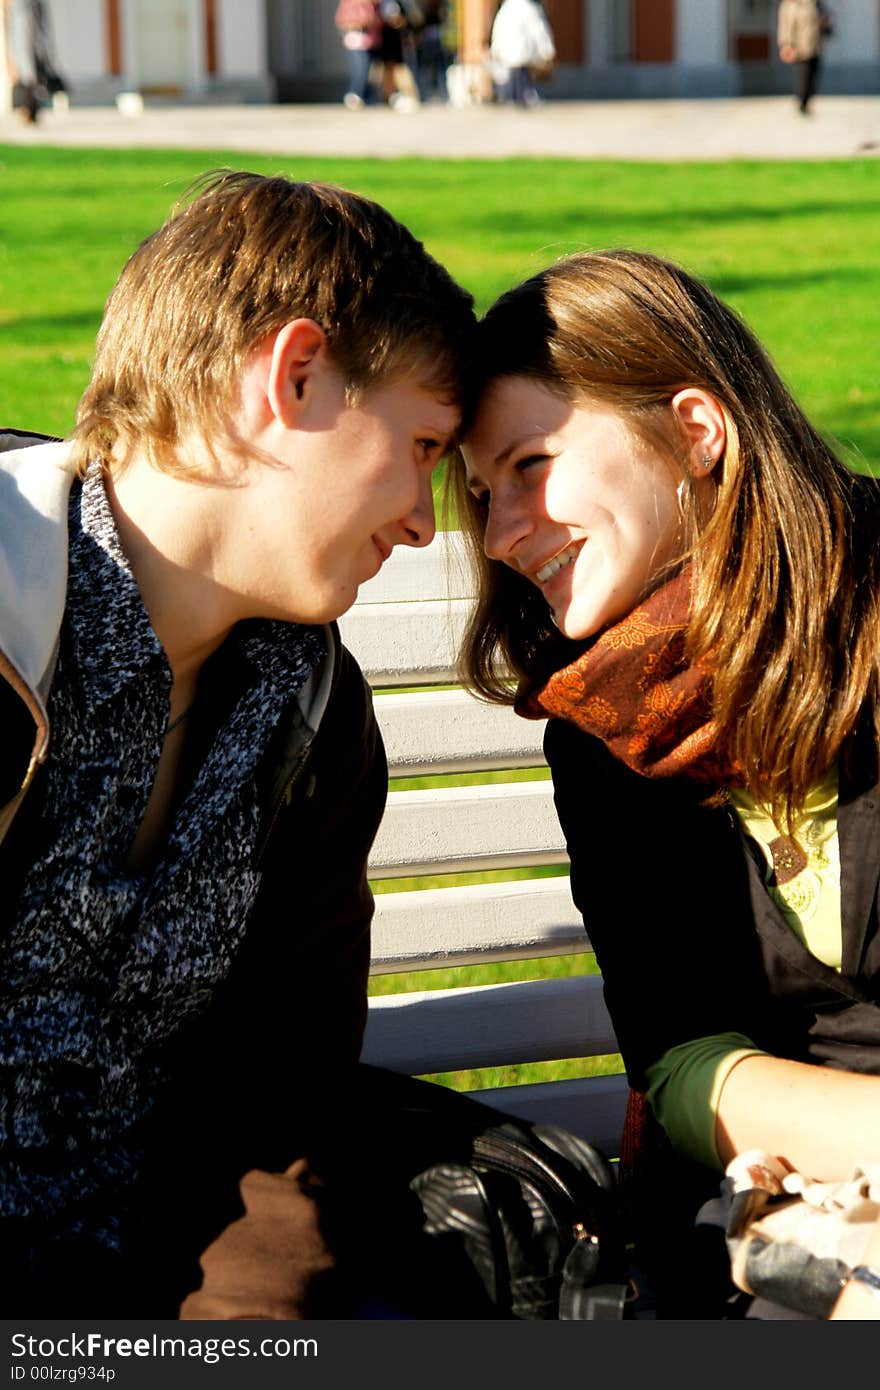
column 786, row 571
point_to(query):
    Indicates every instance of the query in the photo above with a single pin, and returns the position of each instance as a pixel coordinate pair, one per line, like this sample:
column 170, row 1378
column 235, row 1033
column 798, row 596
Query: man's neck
column 172, row 530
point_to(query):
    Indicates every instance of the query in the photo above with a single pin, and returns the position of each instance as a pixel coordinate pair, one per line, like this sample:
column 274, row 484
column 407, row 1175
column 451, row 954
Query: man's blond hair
column 231, row 267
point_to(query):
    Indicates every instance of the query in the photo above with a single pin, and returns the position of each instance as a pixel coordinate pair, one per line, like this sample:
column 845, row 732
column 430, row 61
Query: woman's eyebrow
column 517, row 443
column 504, row 454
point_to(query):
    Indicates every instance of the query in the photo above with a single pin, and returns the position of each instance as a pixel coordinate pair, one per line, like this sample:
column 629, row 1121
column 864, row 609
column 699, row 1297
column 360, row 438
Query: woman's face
column 587, row 512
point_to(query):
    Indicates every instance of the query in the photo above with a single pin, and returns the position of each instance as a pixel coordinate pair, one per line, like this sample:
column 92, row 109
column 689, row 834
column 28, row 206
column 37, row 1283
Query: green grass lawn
column 794, row 247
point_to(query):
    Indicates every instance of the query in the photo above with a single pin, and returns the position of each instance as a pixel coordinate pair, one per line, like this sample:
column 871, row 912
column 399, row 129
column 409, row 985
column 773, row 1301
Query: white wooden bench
column 404, row 631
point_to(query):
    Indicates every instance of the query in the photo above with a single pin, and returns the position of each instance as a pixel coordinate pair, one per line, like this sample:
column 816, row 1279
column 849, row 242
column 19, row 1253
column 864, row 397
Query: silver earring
column 707, row 461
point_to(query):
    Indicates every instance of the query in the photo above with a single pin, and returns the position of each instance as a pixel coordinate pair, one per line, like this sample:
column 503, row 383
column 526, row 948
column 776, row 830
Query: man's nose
column 420, row 525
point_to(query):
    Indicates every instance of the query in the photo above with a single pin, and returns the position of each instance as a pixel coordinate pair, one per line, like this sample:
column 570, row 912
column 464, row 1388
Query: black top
column 102, row 966
column 688, row 940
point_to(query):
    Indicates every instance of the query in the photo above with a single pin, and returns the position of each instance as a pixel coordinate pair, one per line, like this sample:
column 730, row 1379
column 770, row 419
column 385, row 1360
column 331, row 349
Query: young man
column 192, row 775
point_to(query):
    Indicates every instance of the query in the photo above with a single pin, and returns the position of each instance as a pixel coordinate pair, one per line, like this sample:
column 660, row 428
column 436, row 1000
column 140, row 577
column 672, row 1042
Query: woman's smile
column 575, row 501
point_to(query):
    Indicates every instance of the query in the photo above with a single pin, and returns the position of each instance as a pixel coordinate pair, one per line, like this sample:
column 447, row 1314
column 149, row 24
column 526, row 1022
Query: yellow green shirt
column 684, row 1086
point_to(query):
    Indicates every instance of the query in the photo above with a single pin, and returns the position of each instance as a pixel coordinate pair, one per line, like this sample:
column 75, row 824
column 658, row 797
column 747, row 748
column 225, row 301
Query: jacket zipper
column 285, row 796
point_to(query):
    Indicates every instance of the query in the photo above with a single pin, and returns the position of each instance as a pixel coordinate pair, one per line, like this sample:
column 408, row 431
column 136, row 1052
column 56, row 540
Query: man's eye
column 428, row 446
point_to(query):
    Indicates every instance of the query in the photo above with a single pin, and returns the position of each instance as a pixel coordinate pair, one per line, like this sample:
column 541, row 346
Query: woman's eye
column 528, row 460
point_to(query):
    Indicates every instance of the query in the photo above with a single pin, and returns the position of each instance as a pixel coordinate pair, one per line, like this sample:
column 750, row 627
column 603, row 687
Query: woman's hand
column 858, row 1300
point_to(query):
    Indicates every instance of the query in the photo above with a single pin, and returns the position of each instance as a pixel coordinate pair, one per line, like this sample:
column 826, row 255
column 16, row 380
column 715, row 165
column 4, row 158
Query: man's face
column 351, row 483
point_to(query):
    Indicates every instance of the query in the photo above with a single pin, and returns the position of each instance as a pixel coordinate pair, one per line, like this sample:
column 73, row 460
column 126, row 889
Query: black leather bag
column 421, row 1203
column 533, row 1212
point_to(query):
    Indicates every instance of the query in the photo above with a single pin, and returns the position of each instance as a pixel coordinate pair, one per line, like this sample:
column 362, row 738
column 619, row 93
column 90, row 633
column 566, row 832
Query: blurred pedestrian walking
column 360, row 23
column 398, row 54
column 36, row 80
column 432, row 60
column 802, row 25
column 521, row 45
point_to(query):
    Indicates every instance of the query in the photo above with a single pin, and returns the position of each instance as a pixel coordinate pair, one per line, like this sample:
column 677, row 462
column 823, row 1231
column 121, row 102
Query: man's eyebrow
column 446, row 439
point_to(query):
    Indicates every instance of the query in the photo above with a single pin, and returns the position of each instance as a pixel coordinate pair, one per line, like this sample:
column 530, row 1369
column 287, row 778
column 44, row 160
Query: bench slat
column 489, row 1025
column 449, row 731
column 459, row 829
column 592, row 1106
column 480, row 923
column 438, row 570
column 405, row 630
column 405, row 643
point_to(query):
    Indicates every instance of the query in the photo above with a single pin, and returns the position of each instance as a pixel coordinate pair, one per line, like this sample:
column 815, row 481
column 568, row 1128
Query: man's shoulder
column 11, row 438
column 347, row 717
column 35, row 478
column 27, row 451
column 36, row 472
column 347, row 683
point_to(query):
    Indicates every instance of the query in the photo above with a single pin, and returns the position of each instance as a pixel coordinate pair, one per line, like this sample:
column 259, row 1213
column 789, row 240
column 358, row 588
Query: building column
column 240, row 41
column 856, row 33
column 702, row 37
column 600, row 39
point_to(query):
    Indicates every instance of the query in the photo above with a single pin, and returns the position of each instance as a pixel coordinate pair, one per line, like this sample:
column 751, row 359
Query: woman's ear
column 701, row 420
column 297, row 350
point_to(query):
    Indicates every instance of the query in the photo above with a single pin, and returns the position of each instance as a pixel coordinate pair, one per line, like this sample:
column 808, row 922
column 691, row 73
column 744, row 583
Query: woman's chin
column 577, row 627
column 570, row 629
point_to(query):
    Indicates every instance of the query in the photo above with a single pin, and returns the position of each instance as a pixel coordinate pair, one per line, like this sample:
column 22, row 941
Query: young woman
column 679, row 571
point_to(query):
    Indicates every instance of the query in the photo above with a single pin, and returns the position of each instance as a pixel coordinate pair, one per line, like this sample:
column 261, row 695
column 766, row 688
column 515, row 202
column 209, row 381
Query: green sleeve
column 684, row 1087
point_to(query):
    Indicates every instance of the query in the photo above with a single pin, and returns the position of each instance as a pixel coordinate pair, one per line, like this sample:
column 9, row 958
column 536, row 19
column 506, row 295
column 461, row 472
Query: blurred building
column 692, row 48
column 288, row 50
column 180, row 49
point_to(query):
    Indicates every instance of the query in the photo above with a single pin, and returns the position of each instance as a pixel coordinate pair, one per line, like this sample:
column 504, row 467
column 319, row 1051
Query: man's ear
column 298, row 348
column 701, row 420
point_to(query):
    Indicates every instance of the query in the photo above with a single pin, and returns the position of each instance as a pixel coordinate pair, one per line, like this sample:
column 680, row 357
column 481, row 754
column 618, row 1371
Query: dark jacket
column 687, row 938
column 254, row 1073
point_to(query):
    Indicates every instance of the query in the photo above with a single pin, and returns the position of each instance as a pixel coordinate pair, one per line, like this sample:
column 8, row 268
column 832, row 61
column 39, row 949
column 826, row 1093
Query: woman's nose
column 507, row 527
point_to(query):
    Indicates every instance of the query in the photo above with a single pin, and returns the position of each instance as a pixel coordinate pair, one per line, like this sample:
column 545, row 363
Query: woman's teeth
column 553, row 566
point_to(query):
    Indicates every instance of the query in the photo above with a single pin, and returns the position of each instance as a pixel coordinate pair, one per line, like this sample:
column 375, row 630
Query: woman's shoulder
column 586, row 771
column 580, row 760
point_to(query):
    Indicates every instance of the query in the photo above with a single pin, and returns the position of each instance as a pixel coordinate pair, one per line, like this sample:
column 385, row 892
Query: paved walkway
column 746, row 127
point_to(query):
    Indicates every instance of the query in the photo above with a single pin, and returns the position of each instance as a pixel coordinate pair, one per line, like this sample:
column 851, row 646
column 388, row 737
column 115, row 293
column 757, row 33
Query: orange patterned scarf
column 635, row 689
